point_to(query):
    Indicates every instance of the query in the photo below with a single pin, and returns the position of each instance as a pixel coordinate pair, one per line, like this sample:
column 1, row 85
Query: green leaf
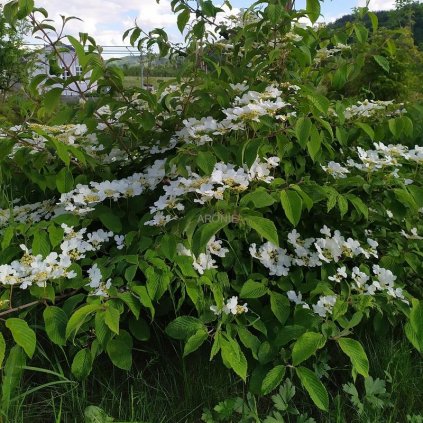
column 302, row 130
column 383, row 62
column 183, row 19
column 280, row 306
column 183, row 327
column 195, row 341
column 111, row 318
column 320, row 102
column 355, row 351
column 274, row 12
column 361, row 33
column 140, row 329
column 314, row 146
column 64, row 181
column 144, row 298
column 55, row 234
column 314, row 387
column 416, row 321
column 292, row 205
column 252, row 289
column 2, row 349
column 204, row 233
column 313, row 10
column 51, row 99
column 40, row 244
column 55, row 321
column 233, row 357
column 367, row 129
column 306, row 345
column 264, row 227
column 82, row 364
column 23, row 335
column 119, row 350
column 78, row 318
column 13, row 370
column 132, row 302
column 342, row 205
column 259, row 198
column 374, row 19
column 249, row 340
column 7, row 237
column 110, row 220
column 272, row 379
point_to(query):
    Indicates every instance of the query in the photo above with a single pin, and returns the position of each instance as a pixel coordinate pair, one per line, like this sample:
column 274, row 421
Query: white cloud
column 378, row 4
column 106, row 20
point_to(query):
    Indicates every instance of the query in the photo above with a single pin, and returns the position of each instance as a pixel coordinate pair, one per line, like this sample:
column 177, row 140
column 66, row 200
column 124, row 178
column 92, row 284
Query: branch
column 24, row 306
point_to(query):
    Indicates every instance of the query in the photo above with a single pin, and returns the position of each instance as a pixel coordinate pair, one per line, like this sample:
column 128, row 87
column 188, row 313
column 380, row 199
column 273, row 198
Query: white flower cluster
column 369, row 108
column 248, row 108
column 34, row 269
column 310, row 252
column 323, row 307
column 336, row 170
column 96, row 282
column 231, row 307
column 82, row 199
column 205, row 260
column 28, row 213
column 223, row 177
column 383, row 156
column 36, row 136
column 383, row 281
column 325, row 53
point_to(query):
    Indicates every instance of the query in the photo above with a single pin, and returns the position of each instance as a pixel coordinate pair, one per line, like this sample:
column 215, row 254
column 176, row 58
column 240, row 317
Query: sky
column 106, row 20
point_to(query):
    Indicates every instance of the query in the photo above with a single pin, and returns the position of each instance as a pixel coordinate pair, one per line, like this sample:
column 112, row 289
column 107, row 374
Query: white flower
column 215, row 247
column 340, row 274
column 120, row 239
column 412, row 235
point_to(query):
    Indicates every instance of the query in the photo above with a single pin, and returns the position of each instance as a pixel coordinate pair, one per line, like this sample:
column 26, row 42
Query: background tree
column 12, row 55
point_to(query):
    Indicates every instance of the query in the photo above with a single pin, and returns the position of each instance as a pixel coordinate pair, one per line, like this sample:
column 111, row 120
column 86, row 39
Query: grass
column 163, row 388
column 135, row 81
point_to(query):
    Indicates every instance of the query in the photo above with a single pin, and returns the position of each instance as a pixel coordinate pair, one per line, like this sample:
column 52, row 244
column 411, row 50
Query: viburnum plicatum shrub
column 245, row 206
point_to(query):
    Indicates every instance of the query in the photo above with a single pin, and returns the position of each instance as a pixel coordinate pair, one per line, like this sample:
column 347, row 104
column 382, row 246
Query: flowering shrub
column 244, row 206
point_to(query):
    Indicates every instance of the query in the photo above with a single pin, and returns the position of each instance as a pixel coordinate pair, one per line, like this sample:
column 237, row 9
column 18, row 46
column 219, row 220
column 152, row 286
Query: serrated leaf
column 233, row 357
column 252, row 289
column 292, row 205
column 82, row 364
column 355, row 351
column 23, row 335
column 183, row 327
column 111, row 318
column 280, row 306
column 302, row 130
column 273, row 379
column 264, row 227
column 314, row 387
column 119, row 350
column 306, row 345
column 367, row 129
column 78, row 318
column 183, row 19
column 55, row 321
column 383, row 62
column 313, row 10
column 195, row 341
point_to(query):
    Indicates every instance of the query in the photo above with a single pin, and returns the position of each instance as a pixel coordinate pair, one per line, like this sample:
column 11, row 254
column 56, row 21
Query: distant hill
column 393, row 19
